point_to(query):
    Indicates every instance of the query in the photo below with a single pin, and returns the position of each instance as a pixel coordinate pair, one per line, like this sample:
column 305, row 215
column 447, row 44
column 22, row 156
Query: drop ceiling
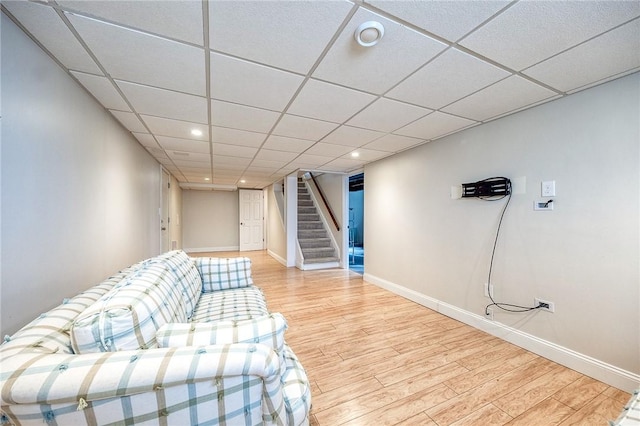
column 280, row 86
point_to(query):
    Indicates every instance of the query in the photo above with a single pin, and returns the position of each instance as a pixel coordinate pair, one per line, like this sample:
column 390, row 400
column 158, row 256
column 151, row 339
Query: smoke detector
column 369, row 33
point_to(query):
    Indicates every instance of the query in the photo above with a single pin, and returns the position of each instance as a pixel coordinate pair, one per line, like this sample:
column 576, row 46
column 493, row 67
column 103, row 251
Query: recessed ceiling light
column 207, row 179
column 369, row 33
column 243, row 181
column 355, row 154
column 196, row 132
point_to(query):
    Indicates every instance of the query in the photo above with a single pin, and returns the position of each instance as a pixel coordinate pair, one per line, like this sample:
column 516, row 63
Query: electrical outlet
column 489, row 314
column 488, row 290
column 546, row 305
column 548, row 188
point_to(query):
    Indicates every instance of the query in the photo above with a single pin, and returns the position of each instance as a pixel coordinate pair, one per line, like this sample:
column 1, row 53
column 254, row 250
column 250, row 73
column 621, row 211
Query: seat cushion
column 267, row 330
column 234, row 304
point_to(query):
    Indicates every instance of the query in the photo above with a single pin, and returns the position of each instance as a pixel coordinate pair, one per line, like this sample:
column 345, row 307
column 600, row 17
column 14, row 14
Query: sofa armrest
column 223, row 274
column 37, row 378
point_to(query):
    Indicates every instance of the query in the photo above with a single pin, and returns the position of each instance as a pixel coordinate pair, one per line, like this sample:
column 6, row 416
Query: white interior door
column 251, row 220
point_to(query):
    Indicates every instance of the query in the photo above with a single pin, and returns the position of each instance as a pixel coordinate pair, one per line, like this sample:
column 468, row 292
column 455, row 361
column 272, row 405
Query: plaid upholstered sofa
column 171, row 340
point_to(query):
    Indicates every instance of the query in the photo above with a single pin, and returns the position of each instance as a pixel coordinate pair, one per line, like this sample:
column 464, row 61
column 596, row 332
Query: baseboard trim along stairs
column 317, row 249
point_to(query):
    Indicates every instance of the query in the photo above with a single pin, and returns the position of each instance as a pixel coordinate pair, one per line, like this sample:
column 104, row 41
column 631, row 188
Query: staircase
column 313, row 238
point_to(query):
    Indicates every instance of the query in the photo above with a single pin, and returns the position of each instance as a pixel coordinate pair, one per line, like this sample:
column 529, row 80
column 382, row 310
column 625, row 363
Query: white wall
column 80, row 196
column 274, row 220
column 210, row 220
column 584, row 256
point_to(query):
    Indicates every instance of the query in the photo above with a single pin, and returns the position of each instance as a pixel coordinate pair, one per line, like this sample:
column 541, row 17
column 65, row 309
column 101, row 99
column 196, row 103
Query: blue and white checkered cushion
column 235, row 304
column 267, row 330
column 128, row 316
column 222, row 274
column 187, row 276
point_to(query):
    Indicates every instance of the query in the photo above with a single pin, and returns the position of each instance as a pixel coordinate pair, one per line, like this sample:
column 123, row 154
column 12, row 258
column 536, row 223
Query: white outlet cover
column 549, row 188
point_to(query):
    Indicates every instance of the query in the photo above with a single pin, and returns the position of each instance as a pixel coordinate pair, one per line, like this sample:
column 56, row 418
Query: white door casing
column 164, row 212
column 251, row 211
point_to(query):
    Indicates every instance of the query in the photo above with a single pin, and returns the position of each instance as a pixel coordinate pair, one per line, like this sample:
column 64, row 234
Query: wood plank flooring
column 375, row 358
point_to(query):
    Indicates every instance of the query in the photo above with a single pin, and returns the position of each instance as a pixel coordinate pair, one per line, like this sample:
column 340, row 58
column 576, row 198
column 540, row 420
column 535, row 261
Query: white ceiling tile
column 237, row 137
column 329, row 150
column 243, row 82
column 449, row 77
column 267, row 154
column 532, row 31
column 343, row 165
column 449, row 19
column 367, row 155
column 176, row 128
column 352, row 136
column 312, row 160
column 141, row 58
column 285, row 34
column 434, row 125
column 146, row 139
column 177, row 19
column 233, row 150
column 611, row 54
column 242, row 117
column 189, row 156
column 102, row 89
column 393, row 143
column 387, row 115
column 378, row 68
column 329, row 102
column 224, row 181
column 165, row 103
column 205, row 170
column 227, row 162
column 158, row 154
column 281, row 143
column 303, row 128
column 185, row 161
column 183, row 145
column 47, row 27
column 505, row 96
column 268, row 164
column 129, row 120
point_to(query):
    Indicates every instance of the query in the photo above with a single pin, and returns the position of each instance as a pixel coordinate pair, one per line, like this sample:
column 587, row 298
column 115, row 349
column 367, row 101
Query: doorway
column 356, row 223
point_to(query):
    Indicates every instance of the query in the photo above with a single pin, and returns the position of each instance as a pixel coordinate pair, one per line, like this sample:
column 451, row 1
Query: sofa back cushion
column 223, row 274
column 187, row 277
column 128, row 316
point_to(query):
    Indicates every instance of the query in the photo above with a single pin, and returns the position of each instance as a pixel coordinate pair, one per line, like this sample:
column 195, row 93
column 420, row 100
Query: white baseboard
column 584, row 364
column 280, row 259
column 206, row 249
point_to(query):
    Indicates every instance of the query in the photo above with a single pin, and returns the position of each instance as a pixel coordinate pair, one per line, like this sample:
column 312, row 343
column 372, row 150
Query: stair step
column 321, row 260
column 314, row 243
column 308, row 217
column 314, row 253
column 312, row 233
column 310, row 225
column 307, row 210
column 305, row 203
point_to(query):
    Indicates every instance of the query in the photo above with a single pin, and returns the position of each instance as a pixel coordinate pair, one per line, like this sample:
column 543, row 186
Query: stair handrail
column 324, row 200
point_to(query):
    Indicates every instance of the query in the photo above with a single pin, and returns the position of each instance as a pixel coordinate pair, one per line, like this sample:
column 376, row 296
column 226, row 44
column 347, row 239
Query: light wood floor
column 374, row 358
